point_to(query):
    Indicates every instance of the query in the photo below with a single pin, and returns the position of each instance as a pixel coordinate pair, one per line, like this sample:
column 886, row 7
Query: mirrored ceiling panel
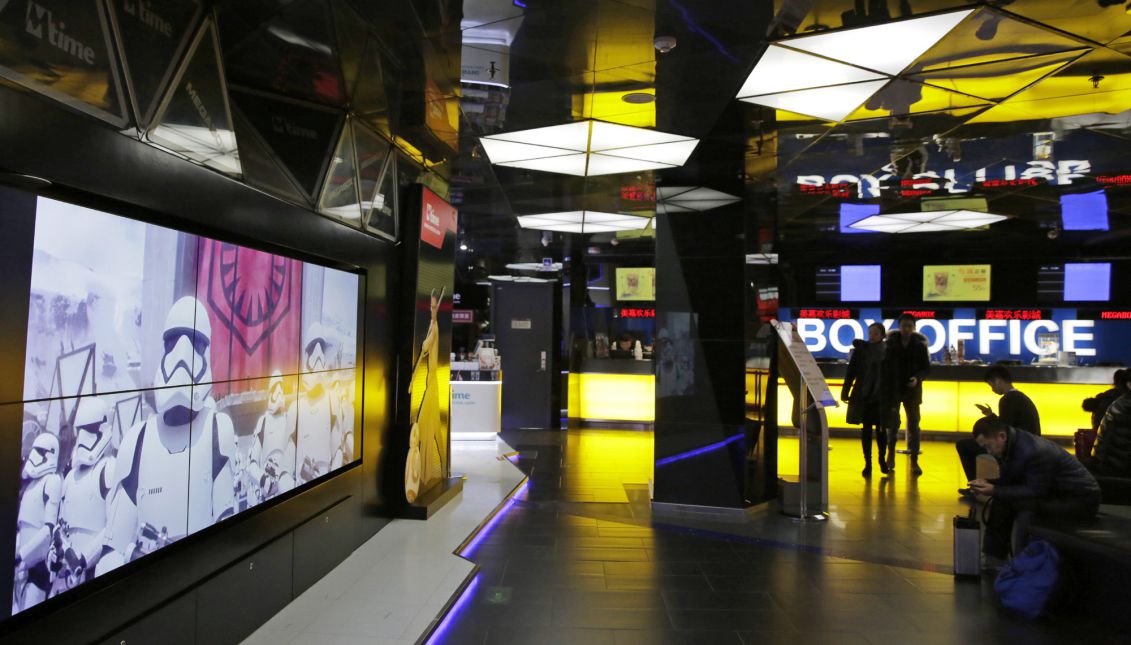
column 289, row 51
column 152, row 36
column 63, row 50
column 194, row 119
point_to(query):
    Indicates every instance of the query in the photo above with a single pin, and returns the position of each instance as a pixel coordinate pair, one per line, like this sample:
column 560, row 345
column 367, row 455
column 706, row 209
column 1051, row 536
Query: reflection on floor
column 565, row 566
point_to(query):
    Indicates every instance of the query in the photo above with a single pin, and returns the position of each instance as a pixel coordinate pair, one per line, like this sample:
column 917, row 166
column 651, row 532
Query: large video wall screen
column 170, row 381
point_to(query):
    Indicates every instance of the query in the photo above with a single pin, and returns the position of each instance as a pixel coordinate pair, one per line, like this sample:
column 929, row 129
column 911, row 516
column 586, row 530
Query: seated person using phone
column 1013, row 408
column 1038, row 479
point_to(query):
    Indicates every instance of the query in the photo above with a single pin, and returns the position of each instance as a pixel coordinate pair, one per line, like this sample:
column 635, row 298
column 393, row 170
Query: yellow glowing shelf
column 948, row 406
column 612, row 397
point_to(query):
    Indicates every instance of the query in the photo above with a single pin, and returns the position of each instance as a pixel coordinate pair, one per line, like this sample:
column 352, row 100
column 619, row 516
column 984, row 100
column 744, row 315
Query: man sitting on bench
column 1038, row 478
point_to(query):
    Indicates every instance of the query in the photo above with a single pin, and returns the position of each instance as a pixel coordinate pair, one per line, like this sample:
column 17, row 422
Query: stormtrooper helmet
column 276, row 393
column 92, row 431
column 44, row 456
column 316, row 353
column 184, row 373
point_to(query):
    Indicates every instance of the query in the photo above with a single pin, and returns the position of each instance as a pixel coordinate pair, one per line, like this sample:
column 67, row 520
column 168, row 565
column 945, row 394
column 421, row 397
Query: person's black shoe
column 884, row 466
column 916, row 470
column 867, row 472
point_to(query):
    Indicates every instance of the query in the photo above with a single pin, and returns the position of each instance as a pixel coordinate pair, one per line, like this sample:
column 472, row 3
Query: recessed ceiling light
column 927, row 222
column 589, row 148
column 583, row 222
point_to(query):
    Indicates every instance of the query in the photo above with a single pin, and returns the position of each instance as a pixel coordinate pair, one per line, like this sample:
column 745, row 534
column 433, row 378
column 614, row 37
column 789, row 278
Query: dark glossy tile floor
column 580, row 560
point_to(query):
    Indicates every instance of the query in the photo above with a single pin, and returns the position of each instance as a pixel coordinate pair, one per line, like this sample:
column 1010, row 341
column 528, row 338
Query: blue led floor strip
column 467, row 547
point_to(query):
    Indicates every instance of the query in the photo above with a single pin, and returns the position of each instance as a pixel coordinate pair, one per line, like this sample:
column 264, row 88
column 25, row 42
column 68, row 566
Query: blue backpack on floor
column 1026, row 584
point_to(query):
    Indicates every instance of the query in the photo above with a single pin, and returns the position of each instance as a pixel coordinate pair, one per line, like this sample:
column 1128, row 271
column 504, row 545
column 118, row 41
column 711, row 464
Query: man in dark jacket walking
column 906, row 364
column 1112, row 449
column 1038, row 478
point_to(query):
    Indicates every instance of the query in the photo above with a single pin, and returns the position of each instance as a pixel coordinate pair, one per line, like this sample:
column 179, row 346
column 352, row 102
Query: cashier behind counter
column 623, row 347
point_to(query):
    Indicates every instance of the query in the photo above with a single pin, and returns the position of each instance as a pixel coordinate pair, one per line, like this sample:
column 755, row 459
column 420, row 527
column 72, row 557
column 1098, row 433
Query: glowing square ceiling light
column 583, row 222
column 888, row 47
column 927, row 222
column 589, row 148
column 687, row 199
column 828, row 103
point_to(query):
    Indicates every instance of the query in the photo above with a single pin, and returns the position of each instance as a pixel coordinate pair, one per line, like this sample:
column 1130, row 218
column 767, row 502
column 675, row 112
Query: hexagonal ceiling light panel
column 589, row 148
column 964, row 58
column 583, row 222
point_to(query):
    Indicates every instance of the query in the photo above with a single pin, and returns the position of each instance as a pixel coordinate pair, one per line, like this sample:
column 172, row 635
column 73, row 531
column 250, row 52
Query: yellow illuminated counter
column 951, row 392
column 612, row 389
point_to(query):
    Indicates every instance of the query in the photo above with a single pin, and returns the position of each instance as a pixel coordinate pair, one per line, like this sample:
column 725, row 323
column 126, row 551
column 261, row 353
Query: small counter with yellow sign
column 951, row 392
column 610, row 390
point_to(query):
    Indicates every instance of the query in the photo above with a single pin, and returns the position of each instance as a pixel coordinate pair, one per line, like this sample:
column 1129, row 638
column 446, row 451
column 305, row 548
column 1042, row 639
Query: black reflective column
column 699, row 430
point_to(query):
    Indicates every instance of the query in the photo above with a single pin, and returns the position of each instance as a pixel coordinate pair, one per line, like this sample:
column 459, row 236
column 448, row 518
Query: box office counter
column 951, row 392
column 613, row 389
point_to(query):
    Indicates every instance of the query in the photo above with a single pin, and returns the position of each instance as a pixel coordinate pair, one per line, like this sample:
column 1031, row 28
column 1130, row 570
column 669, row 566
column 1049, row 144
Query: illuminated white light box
column 588, row 148
column 927, row 222
column 686, row 199
column 829, row 75
column 583, row 222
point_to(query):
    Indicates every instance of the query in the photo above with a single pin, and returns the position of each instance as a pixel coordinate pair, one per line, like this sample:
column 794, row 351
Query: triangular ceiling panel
column 352, row 35
column 301, row 135
column 194, row 120
column 292, row 52
column 260, row 166
column 996, row 81
column 153, row 35
column 83, row 75
column 887, row 47
column 339, row 192
column 901, row 97
column 370, row 98
column 372, row 157
column 988, row 37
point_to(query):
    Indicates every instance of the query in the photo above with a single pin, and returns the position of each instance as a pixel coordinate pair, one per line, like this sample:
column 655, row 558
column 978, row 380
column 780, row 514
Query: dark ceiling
column 1023, row 103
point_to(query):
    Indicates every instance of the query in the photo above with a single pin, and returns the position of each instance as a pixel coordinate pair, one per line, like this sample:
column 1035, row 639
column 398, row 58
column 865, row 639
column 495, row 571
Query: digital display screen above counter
column 956, row 283
column 636, row 283
column 849, row 283
column 1074, row 282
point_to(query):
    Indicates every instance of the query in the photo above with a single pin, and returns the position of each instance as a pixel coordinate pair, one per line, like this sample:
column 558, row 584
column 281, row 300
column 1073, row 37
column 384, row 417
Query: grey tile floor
column 560, row 569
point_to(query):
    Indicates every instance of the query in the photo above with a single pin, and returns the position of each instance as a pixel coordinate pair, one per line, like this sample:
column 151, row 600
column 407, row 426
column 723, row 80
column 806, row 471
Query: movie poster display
column 171, row 381
column 429, row 441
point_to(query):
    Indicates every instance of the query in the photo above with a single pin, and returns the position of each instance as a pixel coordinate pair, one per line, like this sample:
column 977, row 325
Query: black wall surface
column 313, row 528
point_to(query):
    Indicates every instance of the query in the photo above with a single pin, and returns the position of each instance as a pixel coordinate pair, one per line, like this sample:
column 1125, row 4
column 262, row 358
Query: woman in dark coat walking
column 863, row 391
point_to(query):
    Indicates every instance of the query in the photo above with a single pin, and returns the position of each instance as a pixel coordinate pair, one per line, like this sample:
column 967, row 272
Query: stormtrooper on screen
column 320, row 438
column 38, row 515
column 271, row 459
column 181, row 458
column 80, row 538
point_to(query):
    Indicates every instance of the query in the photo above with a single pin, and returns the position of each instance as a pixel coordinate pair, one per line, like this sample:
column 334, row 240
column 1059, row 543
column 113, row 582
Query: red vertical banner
column 254, row 302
